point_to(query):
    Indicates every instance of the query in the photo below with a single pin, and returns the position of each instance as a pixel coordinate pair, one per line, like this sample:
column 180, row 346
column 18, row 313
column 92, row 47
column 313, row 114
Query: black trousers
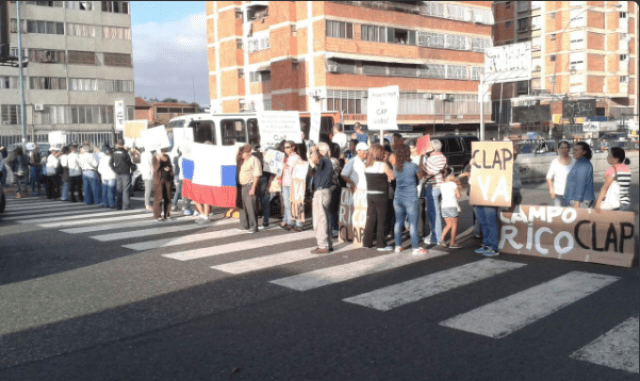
column 76, row 185
column 53, row 186
column 376, row 218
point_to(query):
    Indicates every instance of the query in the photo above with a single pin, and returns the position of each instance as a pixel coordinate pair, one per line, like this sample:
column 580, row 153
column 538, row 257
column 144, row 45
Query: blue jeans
column 585, row 204
column 489, row 225
column 178, row 194
column 108, row 193
column 432, row 207
column 558, row 201
column 91, row 187
column 406, row 207
column 476, row 222
column 65, row 190
column 265, row 200
column 286, row 199
column 34, row 179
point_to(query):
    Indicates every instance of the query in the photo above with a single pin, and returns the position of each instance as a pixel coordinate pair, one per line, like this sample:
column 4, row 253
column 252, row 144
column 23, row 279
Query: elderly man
column 249, row 178
column 321, row 185
column 90, row 181
column 353, row 171
column 434, row 167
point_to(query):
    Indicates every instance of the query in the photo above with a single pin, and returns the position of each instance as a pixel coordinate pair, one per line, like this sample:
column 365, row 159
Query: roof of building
column 141, row 103
column 169, row 104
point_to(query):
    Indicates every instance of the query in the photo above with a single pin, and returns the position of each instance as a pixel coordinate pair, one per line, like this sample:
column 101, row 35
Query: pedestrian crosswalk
column 221, row 242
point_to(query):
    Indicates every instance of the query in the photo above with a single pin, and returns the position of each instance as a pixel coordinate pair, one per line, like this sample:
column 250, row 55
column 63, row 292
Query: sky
column 170, row 50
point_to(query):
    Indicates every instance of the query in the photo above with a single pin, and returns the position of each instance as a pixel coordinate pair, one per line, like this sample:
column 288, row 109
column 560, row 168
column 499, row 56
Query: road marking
column 397, row 295
column 38, row 221
column 65, row 224
column 17, row 215
column 261, row 263
column 336, row 274
column 239, row 246
column 147, row 232
column 120, row 225
column 46, row 206
column 616, row 349
column 167, row 242
column 502, row 317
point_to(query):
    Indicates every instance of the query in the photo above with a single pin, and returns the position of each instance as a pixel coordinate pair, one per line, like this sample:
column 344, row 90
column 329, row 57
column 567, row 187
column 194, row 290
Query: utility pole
column 20, row 58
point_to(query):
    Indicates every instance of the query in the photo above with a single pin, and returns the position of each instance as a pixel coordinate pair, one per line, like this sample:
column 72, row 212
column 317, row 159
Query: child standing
column 450, row 194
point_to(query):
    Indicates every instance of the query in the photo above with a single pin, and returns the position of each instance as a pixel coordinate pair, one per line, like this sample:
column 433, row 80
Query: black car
column 457, row 149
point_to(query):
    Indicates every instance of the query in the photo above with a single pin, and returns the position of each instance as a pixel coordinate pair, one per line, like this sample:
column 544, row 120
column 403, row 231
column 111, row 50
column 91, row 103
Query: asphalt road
column 120, row 297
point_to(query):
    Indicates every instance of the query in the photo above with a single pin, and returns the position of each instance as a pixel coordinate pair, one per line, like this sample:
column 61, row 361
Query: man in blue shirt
column 321, row 185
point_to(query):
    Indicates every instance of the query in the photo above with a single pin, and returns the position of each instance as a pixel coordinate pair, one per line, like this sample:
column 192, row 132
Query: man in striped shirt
column 434, row 166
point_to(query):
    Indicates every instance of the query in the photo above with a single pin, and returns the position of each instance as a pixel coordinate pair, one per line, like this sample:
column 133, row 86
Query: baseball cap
column 362, row 147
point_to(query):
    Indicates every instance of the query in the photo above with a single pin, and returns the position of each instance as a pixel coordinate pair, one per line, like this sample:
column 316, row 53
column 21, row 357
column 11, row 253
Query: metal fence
column 95, row 138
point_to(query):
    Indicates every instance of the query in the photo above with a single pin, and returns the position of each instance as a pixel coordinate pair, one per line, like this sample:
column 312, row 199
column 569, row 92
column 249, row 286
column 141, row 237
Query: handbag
column 612, row 198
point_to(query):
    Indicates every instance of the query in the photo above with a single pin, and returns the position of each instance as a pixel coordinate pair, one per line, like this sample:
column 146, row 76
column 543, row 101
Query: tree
column 170, row 100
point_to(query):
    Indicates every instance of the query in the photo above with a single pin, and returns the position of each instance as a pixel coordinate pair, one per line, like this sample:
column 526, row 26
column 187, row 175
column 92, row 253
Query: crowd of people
column 405, row 191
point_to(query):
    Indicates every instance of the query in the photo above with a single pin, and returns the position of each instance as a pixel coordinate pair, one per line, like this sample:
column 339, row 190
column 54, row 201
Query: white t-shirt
column 559, row 173
column 73, row 160
column 105, row 170
column 52, row 164
column 146, row 165
column 341, row 140
column 354, row 169
column 448, row 192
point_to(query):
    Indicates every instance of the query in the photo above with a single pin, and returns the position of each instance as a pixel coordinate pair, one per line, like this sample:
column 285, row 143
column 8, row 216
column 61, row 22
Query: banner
column 273, row 162
column 314, row 129
column 583, row 235
column 491, row 173
column 382, row 108
column 298, row 189
column 155, row 138
column 507, row 63
column 201, row 177
column 424, row 145
column 276, row 126
column 119, row 115
column 58, row 139
column 352, row 216
column 132, row 128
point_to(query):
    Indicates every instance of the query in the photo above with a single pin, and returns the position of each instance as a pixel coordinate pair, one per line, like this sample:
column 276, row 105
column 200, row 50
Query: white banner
column 57, row 138
column 155, row 138
column 314, row 129
column 382, row 108
column 119, row 115
column 508, row 63
column 276, row 126
column 182, row 136
column 273, row 162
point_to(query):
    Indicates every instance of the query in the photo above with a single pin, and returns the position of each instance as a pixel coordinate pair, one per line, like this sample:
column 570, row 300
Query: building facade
column 79, row 63
column 584, row 53
column 324, row 55
column 159, row 113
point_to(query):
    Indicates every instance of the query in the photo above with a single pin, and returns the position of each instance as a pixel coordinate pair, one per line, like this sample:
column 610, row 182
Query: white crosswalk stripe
column 38, row 221
column 34, row 214
column 616, row 349
column 46, row 206
column 336, row 274
column 147, row 232
column 400, row 294
column 126, row 225
column 64, row 224
column 505, row 316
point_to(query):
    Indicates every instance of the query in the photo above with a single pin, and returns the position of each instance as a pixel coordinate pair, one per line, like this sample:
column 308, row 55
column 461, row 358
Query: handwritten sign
column 57, row 138
column 273, row 162
column 352, row 216
column 382, row 108
column 298, row 188
column 314, row 129
column 508, row 63
column 583, row 235
column 132, row 128
column 276, row 126
column 491, row 173
column 578, row 108
column 155, row 138
column 119, row 115
column 423, row 145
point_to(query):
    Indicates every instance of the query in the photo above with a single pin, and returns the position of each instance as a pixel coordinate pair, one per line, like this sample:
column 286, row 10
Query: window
column 436, row 71
column 523, row 6
column 233, row 131
column 623, row 57
column 81, row 30
column 402, row 70
column 623, row 15
column 553, row 16
column 46, row 56
column 238, row 43
column 507, row 24
column 256, row 44
column 82, row 58
column 536, row 43
column 10, row 114
column 259, row 76
column 578, row 19
column 536, row 5
column 457, row 72
column 431, row 40
column 374, row 68
column 115, row 33
column 238, row 14
column 523, row 87
column 80, row 5
column 523, row 24
column 14, row 53
column 577, row 40
column 117, row 59
column 479, row 44
column 45, row 27
column 339, row 29
column 204, row 130
column 507, row 4
column 83, row 84
column 47, row 83
column 373, row 33
column 118, row 86
column 56, row 4
column 624, row 79
column 552, row 37
column 350, row 102
column 552, row 57
column 576, row 62
column 536, row 22
column 9, row 82
column 50, row 115
column 476, row 72
column 453, row 41
column 115, row 6
column 400, row 36
column 240, row 73
column 536, row 64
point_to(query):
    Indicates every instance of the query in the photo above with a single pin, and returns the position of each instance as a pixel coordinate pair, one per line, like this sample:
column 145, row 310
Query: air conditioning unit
column 332, row 68
column 427, row 96
column 477, row 18
column 445, row 97
column 38, row 107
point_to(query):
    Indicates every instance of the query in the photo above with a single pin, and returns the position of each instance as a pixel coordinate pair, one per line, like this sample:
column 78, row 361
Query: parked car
column 457, row 149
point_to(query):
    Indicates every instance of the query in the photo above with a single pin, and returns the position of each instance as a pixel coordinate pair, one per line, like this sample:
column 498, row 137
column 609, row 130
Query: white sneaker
column 419, row 251
column 398, row 249
column 388, row 248
column 195, row 213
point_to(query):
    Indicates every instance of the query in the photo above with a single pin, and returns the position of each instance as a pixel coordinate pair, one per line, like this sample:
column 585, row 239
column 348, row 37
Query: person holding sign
column 291, row 150
column 579, row 191
column 617, row 172
column 378, row 175
column 249, row 178
column 321, row 185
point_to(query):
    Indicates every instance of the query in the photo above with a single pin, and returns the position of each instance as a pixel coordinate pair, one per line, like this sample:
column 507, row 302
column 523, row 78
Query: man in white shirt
column 75, row 173
column 90, row 183
column 353, row 171
column 340, row 138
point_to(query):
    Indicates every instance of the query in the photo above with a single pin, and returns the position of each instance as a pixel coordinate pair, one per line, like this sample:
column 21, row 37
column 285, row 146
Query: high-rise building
column 79, row 64
column 584, row 53
column 324, row 55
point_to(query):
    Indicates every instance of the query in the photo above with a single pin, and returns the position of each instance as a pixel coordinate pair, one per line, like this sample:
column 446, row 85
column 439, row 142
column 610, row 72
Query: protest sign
column 382, row 108
column 298, row 188
column 491, row 173
column 352, row 216
column 155, row 138
column 57, row 139
column 132, row 128
column 180, row 136
column 273, row 162
column 119, row 114
column 276, row 126
column 583, row 235
column 424, row 145
column 314, row 129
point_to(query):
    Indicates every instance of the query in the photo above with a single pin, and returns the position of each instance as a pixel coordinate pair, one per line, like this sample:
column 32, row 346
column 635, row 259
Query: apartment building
column 158, row 113
column 581, row 51
column 324, row 55
column 79, row 64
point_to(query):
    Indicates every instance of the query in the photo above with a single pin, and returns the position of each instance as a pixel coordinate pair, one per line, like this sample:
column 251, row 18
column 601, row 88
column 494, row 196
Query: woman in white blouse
column 558, row 171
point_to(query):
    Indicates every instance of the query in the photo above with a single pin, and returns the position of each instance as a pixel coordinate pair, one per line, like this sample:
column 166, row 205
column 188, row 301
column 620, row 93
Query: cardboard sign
column 276, row 126
column 155, row 138
column 491, row 173
column 314, row 129
column 57, row 138
column 570, row 234
column 273, row 162
column 382, row 108
column 119, row 115
column 352, row 216
column 132, row 128
column 298, row 188
column 424, row 145
column 180, row 136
